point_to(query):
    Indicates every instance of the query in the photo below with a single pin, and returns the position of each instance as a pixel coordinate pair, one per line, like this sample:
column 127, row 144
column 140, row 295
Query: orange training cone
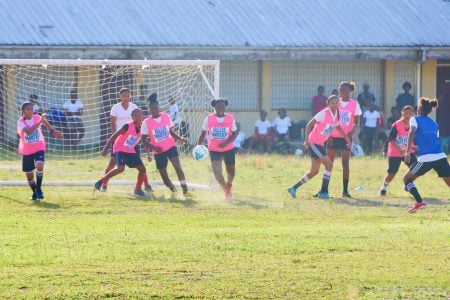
column 259, row 164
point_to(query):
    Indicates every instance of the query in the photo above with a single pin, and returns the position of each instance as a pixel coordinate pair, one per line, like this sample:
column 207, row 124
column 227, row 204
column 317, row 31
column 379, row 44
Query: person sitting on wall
column 262, row 136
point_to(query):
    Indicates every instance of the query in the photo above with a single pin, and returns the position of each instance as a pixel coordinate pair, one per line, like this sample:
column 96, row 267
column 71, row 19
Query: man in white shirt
column 281, row 126
column 371, row 122
column 262, row 135
column 240, row 138
column 73, row 110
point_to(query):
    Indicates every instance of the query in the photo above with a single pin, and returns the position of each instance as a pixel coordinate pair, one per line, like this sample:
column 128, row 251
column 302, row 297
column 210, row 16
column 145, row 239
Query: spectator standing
column 405, row 98
column 371, row 121
column 366, row 95
column 319, row 101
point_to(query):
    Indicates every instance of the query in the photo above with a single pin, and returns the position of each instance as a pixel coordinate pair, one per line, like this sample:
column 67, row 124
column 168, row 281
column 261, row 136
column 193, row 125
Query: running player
column 222, row 130
column 424, row 131
column 397, row 142
column 349, row 114
column 160, row 129
column 124, row 142
column 121, row 115
column 318, row 130
column 32, row 147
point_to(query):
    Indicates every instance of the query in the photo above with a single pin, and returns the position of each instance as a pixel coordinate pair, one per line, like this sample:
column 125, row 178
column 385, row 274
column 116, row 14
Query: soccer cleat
column 228, row 193
column 98, row 186
column 148, row 188
column 139, row 193
column 39, row 194
column 292, row 191
column 103, row 188
column 188, row 194
column 346, row 194
column 419, row 205
column 34, row 197
column 323, row 195
column 382, row 193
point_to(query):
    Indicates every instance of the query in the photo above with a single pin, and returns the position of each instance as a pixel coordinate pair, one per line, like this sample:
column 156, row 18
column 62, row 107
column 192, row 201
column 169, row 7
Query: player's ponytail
column 426, row 105
column 215, row 101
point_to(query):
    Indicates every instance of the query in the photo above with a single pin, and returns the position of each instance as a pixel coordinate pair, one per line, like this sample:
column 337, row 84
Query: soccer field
column 263, row 244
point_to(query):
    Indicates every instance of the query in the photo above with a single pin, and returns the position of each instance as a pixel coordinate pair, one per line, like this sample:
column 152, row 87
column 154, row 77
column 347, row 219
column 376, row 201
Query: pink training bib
column 127, row 140
column 323, row 130
column 401, row 139
column 160, row 133
column 33, row 142
column 219, row 132
column 346, row 117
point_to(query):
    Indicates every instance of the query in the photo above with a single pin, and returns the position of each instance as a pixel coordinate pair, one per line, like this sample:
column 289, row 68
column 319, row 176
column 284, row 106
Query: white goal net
column 59, row 86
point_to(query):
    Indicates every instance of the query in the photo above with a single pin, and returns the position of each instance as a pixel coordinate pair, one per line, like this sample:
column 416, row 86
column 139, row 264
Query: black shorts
column 441, row 166
column 131, row 160
column 228, row 156
column 335, row 143
column 317, row 151
column 162, row 159
column 28, row 161
column 394, row 163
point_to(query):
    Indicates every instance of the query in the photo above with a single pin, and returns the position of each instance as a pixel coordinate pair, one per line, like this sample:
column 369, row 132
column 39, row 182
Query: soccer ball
column 298, row 153
column 200, row 152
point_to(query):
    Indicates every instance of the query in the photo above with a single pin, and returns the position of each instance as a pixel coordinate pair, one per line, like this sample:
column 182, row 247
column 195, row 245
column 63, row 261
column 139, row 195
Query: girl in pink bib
column 32, row 147
column 124, row 142
column 349, row 114
column 396, row 147
column 159, row 138
column 222, row 131
column 318, row 130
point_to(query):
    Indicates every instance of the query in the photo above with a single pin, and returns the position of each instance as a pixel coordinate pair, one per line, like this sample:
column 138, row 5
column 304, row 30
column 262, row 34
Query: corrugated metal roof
column 226, row 23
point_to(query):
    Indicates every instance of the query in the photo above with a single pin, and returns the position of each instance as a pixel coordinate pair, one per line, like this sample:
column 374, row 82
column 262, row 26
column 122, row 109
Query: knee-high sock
column 325, row 181
column 413, row 190
column 39, row 177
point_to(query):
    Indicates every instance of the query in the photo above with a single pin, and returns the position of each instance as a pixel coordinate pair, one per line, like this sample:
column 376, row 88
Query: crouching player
column 32, row 147
column 124, row 142
column 397, row 142
column 159, row 128
column 318, row 130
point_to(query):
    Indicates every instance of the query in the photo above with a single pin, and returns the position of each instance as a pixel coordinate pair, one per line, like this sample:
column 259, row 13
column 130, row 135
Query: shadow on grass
column 46, row 205
column 242, row 202
column 386, row 203
column 35, row 203
column 187, row 202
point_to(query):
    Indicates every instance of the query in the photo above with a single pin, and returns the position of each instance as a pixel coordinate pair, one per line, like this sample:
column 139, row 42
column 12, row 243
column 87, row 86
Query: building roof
column 226, row 23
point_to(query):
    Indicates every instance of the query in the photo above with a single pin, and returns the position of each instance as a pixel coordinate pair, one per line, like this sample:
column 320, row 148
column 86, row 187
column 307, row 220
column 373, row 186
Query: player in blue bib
column 425, row 134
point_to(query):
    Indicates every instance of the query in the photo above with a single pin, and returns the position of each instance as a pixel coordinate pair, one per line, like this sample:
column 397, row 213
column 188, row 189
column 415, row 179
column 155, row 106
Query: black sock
column 32, row 185
column 184, row 187
column 301, row 182
column 325, row 181
column 413, row 190
column 39, row 177
column 345, row 182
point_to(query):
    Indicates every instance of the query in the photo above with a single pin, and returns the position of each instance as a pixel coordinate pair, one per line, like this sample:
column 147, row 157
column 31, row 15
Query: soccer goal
column 57, row 86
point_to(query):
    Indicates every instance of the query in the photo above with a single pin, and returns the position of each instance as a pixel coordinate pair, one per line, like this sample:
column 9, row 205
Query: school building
column 273, row 53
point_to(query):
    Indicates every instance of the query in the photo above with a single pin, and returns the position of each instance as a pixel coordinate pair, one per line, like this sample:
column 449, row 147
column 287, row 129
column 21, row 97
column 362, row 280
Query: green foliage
column 263, row 244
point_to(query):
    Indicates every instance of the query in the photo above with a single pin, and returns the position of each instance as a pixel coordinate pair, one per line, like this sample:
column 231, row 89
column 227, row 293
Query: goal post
column 53, row 83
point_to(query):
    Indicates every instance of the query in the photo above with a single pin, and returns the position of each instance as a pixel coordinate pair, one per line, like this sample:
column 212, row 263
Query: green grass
column 261, row 245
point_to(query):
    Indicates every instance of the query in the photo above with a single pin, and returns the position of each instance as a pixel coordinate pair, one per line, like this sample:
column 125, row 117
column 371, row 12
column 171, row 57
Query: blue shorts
column 131, row 160
column 28, row 161
column 162, row 159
